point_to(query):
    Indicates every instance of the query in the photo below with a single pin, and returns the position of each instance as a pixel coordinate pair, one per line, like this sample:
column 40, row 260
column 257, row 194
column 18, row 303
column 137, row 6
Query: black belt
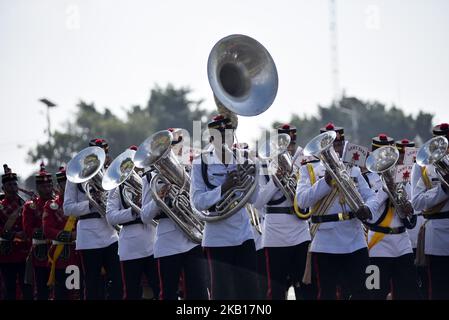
column 435, row 216
column 387, row 230
column 161, row 215
column 333, row 217
column 137, row 221
column 92, row 215
column 284, row 210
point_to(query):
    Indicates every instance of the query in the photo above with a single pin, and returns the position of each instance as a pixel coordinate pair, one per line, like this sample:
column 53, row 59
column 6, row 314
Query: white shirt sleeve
column 423, row 199
column 307, row 194
column 267, row 189
column 115, row 214
column 200, row 196
column 73, row 207
column 149, row 207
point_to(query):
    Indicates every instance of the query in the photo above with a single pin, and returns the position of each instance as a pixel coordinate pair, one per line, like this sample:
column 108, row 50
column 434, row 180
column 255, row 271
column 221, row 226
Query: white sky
column 113, row 52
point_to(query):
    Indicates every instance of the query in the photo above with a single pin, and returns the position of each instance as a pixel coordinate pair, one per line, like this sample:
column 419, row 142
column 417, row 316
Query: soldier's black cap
column 8, row 174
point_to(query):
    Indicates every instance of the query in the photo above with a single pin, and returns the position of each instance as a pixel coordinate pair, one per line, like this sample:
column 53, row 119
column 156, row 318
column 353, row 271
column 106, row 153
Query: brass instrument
column 86, row 168
column 281, row 158
column 254, row 217
column 156, row 151
column 434, row 152
column 121, row 172
column 322, row 148
column 244, row 80
column 29, row 194
column 383, row 161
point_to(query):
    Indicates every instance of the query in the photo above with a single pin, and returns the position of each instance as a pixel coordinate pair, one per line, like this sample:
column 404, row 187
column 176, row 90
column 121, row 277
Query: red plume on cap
column 286, row 126
column 98, row 141
column 405, row 141
column 383, row 136
column 42, row 169
column 218, row 117
column 330, row 126
column 444, row 126
column 170, row 129
column 133, row 147
column 61, row 169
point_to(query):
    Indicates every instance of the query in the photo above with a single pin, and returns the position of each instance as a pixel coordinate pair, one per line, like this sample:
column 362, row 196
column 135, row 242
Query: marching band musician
column 135, row 245
column 96, row 239
column 431, row 197
column 177, row 255
column 388, row 242
column 229, row 242
column 60, row 230
column 32, row 215
column 13, row 245
column 339, row 247
column 421, row 268
column 285, row 237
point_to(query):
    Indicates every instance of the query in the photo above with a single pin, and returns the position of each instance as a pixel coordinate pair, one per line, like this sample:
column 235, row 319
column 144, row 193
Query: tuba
column 244, row 80
column 322, row 147
column 86, row 168
column 121, row 172
column 156, row 151
column 434, row 152
column 383, row 161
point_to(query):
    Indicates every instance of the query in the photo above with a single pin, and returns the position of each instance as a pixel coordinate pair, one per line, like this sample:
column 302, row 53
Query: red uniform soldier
column 59, row 229
column 32, row 223
column 13, row 244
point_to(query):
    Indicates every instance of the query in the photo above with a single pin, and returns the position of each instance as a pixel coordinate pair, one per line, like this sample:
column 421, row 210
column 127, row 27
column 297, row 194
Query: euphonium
column 383, row 161
column 322, row 147
column 87, row 168
column 434, row 152
column 121, row 172
column 156, row 151
column 281, row 158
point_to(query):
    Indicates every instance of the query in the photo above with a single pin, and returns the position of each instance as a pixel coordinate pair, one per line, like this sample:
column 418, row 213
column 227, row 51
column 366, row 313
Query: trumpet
column 156, row 152
column 434, row 152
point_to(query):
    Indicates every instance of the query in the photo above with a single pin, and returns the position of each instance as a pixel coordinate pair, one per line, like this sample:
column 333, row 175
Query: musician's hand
column 363, row 213
column 163, row 192
column 328, row 177
column 230, row 181
column 279, row 173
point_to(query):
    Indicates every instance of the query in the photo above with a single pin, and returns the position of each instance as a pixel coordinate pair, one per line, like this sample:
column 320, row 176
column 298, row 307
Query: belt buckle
column 342, row 216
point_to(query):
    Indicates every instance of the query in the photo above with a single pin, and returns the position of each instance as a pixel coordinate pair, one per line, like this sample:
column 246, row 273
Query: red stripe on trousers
column 317, row 271
column 211, row 273
column 429, row 280
column 161, row 285
column 125, row 293
column 267, row 266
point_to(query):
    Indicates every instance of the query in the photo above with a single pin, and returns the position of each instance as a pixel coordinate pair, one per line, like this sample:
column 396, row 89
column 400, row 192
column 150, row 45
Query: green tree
column 167, row 107
column 371, row 118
